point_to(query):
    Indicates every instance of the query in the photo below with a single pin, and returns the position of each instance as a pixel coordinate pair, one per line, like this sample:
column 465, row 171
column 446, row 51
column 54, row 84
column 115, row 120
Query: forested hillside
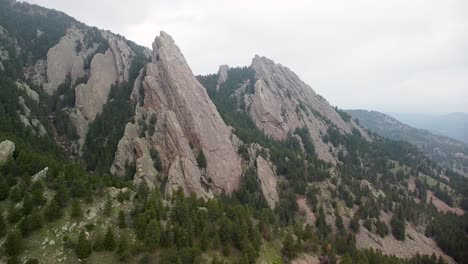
column 447, row 152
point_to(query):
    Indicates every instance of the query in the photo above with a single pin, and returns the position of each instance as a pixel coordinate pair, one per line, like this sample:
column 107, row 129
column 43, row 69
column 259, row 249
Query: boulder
column 6, row 150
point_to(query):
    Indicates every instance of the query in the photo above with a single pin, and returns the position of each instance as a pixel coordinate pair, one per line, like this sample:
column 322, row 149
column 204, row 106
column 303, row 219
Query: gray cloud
column 390, row 56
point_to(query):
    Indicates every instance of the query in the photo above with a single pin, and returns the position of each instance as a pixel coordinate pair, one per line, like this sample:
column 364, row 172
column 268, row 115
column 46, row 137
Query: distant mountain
column 448, row 152
column 454, row 125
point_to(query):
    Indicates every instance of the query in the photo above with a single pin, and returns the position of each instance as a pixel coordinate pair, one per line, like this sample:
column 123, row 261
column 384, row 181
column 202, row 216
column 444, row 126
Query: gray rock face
column 63, row 60
column 268, row 182
column 185, row 122
column 282, row 102
column 105, row 70
column 6, row 150
column 91, row 97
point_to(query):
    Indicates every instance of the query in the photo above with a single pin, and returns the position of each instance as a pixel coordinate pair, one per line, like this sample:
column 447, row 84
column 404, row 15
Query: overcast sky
column 391, row 56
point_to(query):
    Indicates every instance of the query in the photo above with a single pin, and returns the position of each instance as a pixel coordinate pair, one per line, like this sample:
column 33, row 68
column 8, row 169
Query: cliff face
column 175, row 116
column 280, row 102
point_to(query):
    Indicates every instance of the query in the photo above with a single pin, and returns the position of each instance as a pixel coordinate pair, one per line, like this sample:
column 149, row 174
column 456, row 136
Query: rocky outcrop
column 223, row 75
column 176, row 118
column 29, row 92
column 28, row 120
column 6, row 150
column 40, row 175
column 281, row 102
column 106, row 69
column 63, row 60
column 268, row 182
column 91, row 97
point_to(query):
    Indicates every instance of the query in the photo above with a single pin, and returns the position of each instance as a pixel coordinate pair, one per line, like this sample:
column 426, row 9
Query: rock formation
column 63, row 60
column 6, row 150
column 268, row 182
column 175, row 116
column 281, row 102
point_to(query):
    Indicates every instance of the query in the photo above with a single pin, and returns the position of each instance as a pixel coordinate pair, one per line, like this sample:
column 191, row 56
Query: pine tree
column 83, row 248
column 121, row 220
column 76, row 211
column 289, row 249
column 3, row 227
column 25, row 226
column 62, row 196
column 27, row 205
column 13, row 244
column 53, row 211
column 152, row 234
column 398, row 227
column 354, row 223
column 201, row 160
column 123, row 249
column 109, row 240
column 4, row 189
column 108, row 207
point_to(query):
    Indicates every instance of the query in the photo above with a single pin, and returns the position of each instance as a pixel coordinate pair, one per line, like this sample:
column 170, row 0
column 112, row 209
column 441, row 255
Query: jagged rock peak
column 185, row 123
column 282, row 102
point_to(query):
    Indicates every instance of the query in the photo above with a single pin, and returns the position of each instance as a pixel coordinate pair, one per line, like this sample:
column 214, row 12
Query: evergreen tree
column 3, row 227
column 52, row 211
column 25, row 226
column 289, row 249
column 13, row 244
column 14, row 214
column 109, row 240
column 27, row 205
column 123, row 249
column 83, row 248
column 398, row 227
column 201, row 160
column 4, row 189
column 62, row 196
column 121, row 220
column 108, row 206
column 152, row 234
column 354, row 223
column 76, row 211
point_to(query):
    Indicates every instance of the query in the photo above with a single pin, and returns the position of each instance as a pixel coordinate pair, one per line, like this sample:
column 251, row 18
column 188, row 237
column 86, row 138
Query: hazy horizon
column 397, row 56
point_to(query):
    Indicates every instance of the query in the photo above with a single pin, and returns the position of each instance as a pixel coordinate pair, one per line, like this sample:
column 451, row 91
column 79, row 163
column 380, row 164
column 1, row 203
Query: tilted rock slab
column 268, row 182
column 282, row 102
column 186, row 122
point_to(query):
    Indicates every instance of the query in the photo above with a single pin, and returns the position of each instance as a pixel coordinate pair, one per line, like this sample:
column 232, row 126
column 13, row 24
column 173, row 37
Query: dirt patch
column 442, row 206
column 306, row 259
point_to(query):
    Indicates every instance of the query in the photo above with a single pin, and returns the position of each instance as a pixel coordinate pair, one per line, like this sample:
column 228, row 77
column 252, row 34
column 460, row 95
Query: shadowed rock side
column 175, row 116
column 281, row 102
